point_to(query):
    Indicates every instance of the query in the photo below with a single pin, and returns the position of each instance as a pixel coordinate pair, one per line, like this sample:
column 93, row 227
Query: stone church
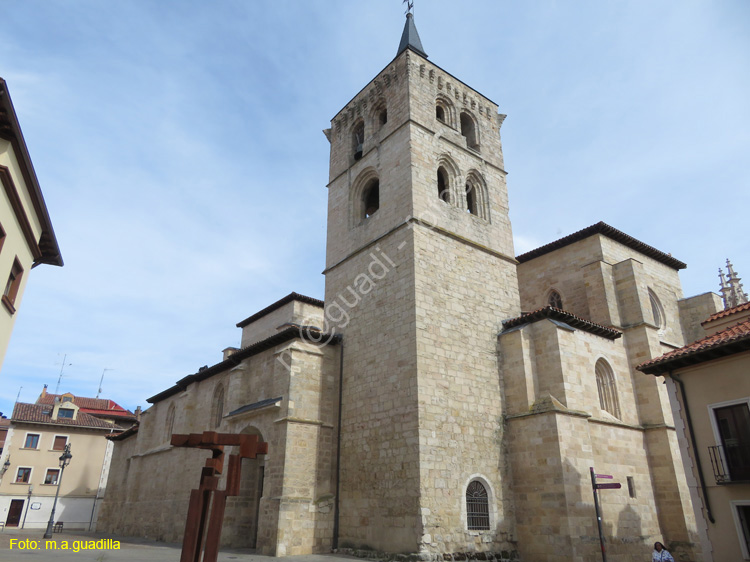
column 448, row 398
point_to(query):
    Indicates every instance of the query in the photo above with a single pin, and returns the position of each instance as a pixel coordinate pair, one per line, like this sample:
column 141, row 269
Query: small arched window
column 169, row 425
column 471, row 198
column 443, row 186
column 477, row 507
column 383, row 116
column 605, row 383
column 358, row 139
column 555, row 299
column 371, row 199
column 657, row 311
column 218, row 406
column 468, row 130
column 440, row 113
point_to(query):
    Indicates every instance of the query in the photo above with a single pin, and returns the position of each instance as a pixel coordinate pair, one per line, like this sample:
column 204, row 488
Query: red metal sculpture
column 198, row 537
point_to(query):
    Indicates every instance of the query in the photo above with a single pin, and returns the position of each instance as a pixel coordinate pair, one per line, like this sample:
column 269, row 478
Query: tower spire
column 410, row 37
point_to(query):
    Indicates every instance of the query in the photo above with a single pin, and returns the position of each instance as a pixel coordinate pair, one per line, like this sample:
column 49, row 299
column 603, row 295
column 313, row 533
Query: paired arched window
column 371, row 198
column 477, row 507
column 469, row 130
column 443, row 185
column 605, row 383
column 554, row 299
column 217, row 411
column 476, row 196
column 444, row 112
column 358, row 139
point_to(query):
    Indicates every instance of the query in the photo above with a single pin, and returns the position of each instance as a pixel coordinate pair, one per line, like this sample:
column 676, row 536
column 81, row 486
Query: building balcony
column 731, row 465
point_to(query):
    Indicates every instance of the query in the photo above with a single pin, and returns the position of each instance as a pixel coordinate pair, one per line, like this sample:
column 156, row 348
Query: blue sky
column 179, row 148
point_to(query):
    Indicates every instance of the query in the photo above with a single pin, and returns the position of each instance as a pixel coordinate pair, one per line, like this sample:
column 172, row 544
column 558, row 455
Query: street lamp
column 28, row 501
column 64, row 461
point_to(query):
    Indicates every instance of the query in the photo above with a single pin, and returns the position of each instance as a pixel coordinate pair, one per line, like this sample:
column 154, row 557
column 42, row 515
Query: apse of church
column 447, row 398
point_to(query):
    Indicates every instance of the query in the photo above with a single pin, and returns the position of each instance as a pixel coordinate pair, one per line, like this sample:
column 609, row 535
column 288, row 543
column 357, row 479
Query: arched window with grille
column 477, row 507
column 605, row 383
column 554, row 299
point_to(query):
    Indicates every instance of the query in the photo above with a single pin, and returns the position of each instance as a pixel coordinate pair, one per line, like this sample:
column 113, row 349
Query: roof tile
column 42, row 413
column 731, row 340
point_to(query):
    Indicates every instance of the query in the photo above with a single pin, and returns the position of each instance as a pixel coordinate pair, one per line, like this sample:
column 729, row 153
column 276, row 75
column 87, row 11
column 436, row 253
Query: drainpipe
column 335, row 541
column 695, row 445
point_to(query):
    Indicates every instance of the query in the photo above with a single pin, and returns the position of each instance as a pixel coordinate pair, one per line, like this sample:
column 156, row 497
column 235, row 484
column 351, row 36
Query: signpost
column 595, row 486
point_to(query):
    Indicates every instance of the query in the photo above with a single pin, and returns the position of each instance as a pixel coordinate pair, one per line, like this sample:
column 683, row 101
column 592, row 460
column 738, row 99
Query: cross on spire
column 409, row 6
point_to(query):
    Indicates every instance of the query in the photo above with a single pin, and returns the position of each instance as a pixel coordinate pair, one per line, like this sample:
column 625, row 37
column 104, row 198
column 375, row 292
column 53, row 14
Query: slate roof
column 255, row 406
column 560, row 315
column 610, row 232
column 727, row 312
column 410, row 38
column 729, row 341
column 42, row 413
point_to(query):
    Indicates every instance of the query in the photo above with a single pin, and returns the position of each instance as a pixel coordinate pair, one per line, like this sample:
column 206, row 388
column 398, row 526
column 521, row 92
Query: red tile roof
column 562, row 316
column 729, row 341
column 727, row 312
column 94, row 406
column 42, row 413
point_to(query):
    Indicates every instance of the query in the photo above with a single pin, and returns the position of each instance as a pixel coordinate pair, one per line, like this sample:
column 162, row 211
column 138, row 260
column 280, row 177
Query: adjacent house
column 709, row 385
column 30, row 471
column 26, row 235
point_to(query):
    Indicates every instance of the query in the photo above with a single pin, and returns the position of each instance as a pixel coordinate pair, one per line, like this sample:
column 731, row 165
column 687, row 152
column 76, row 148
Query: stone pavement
column 132, row 549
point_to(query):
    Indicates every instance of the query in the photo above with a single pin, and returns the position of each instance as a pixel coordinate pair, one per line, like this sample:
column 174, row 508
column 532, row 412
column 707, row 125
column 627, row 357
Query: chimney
column 138, row 414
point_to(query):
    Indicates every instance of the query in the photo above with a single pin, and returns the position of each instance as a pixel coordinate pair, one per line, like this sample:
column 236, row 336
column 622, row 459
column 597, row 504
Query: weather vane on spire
column 409, row 6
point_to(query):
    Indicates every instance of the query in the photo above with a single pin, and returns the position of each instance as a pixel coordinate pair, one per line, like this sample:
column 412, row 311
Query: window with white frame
column 32, row 441
column 731, row 425
column 59, row 442
column 23, row 476
column 52, row 476
column 741, row 516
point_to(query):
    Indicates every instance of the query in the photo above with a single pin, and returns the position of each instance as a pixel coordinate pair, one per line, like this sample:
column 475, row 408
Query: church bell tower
column 420, row 274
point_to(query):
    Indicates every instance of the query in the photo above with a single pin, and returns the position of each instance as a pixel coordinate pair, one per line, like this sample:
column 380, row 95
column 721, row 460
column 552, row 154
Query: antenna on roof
column 57, row 388
column 19, row 394
column 101, row 380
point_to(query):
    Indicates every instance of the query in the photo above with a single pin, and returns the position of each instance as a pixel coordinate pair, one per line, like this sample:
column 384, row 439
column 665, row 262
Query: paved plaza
column 28, row 545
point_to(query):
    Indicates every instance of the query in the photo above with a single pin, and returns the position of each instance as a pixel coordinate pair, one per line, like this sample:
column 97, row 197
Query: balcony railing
column 730, row 464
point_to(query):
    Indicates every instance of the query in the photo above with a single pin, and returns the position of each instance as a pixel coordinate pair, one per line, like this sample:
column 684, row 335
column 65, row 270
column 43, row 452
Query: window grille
column 555, row 299
column 477, row 507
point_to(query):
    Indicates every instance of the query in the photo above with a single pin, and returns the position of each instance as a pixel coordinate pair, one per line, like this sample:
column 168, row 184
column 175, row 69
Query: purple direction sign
column 612, row 486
